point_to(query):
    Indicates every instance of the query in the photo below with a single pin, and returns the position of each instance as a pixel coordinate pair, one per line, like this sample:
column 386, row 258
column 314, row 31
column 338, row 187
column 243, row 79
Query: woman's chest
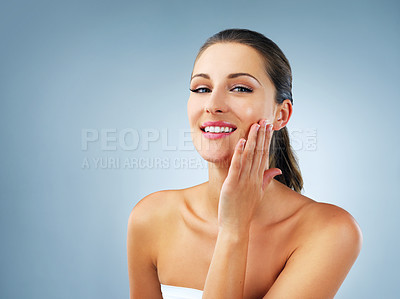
column 185, row 255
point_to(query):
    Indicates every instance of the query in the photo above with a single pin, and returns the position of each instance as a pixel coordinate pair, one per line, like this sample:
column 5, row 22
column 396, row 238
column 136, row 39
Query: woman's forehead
column 230, row 58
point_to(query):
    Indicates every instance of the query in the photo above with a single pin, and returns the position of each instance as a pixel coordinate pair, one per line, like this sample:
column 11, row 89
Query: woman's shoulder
column 320, row 219
column 156, row 209
column 313, row 214
column 314, row 219
column 326, row 214
column 156, row 204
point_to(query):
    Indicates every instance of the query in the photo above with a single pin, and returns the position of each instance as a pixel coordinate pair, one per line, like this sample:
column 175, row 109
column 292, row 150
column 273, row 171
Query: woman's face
column 221, row 92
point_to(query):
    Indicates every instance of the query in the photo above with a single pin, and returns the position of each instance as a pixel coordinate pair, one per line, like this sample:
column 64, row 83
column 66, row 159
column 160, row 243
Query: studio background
column 74, row 70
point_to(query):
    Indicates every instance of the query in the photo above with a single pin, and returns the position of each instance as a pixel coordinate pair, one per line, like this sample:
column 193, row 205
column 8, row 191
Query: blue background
column 72, row 66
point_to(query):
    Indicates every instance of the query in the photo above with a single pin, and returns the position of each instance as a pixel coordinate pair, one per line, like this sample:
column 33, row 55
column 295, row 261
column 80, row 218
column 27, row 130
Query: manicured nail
column 270, row 127
column 257, row 127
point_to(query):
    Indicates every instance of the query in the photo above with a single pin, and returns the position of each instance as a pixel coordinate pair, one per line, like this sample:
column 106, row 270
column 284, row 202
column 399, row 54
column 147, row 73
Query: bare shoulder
column 324, row 220
column 326, row 214
column 145, row 224
column 149, row 218
column 154, row 208
column 328, row 243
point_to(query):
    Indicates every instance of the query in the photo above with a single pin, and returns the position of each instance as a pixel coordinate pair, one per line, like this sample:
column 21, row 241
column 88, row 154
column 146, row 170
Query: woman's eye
column 243, row 89
column 200, row 90
column 205, row 89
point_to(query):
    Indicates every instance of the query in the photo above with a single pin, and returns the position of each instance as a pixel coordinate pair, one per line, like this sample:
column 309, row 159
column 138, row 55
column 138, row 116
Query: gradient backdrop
column 93, row 118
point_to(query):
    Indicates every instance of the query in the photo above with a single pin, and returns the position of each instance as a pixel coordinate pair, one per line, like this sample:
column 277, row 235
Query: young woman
column 247, row 232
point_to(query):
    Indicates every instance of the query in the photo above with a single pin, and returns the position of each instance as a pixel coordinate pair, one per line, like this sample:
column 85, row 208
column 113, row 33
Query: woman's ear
column 283, row 114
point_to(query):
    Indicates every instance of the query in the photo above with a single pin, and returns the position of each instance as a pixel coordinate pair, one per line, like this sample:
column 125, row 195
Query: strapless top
column 174, row 292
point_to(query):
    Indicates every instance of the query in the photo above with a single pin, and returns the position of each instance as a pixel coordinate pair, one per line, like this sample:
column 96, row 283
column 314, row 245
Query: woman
column 248, row 232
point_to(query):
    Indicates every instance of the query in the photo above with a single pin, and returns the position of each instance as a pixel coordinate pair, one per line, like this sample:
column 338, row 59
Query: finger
column 259, row 148
column 248, row 153
column 269, row 175
column 267, row 143
column 234, row 168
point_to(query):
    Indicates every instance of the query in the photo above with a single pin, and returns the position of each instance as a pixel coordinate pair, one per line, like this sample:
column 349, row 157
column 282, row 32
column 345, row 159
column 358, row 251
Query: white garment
column 173, row 292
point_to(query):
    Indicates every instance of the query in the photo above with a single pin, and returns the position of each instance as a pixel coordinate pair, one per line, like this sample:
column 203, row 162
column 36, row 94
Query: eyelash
column 246, row 88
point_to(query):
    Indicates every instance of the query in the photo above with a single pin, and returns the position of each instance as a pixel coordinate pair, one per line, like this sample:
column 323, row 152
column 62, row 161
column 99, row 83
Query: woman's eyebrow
column 230, row 76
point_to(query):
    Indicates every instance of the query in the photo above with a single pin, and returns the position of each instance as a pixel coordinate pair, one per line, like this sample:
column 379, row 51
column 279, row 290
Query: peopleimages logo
column 139, row 142
column 130, row 139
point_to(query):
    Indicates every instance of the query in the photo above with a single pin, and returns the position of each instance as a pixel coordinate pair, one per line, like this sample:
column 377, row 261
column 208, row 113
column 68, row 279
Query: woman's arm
column 225, row 278
column 143, row 278
column 241, row 194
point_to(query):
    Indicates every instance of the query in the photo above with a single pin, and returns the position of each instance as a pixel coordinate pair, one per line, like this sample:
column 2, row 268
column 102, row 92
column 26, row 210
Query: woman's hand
column 244, row 186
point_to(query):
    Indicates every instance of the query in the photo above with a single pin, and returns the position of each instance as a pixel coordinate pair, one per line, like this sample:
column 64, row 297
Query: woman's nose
column 216, row 102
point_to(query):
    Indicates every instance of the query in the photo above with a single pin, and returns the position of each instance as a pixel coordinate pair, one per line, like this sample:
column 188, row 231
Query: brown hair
column 278, row 69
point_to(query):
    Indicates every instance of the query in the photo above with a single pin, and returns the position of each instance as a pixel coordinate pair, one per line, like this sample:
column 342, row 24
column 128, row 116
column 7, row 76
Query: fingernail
column 243, row 143
column 265, row 123
column 270, row 127
column 257, row 127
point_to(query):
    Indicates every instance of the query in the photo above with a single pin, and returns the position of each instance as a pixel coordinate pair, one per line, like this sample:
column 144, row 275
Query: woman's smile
column 217, row 129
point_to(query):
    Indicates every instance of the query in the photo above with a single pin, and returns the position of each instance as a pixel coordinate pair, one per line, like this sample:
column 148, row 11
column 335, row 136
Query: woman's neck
column 216, row 178
column 217, row 175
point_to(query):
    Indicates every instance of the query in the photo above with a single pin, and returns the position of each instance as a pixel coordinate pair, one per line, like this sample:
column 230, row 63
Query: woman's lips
column 219, row 123
column 209, row 135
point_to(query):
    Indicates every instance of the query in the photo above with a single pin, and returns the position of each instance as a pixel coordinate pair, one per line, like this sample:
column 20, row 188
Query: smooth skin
column 242, row 234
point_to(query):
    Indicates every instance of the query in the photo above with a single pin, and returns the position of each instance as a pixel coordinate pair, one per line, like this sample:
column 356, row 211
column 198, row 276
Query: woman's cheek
column 254, row 112
column 250, row 112
column 191, row 112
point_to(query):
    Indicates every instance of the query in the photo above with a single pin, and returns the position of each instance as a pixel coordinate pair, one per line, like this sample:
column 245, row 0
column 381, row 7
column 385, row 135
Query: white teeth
column 218, row 129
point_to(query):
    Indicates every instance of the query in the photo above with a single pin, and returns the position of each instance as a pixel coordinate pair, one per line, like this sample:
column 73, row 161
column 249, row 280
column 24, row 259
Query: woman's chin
column 217, row 157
